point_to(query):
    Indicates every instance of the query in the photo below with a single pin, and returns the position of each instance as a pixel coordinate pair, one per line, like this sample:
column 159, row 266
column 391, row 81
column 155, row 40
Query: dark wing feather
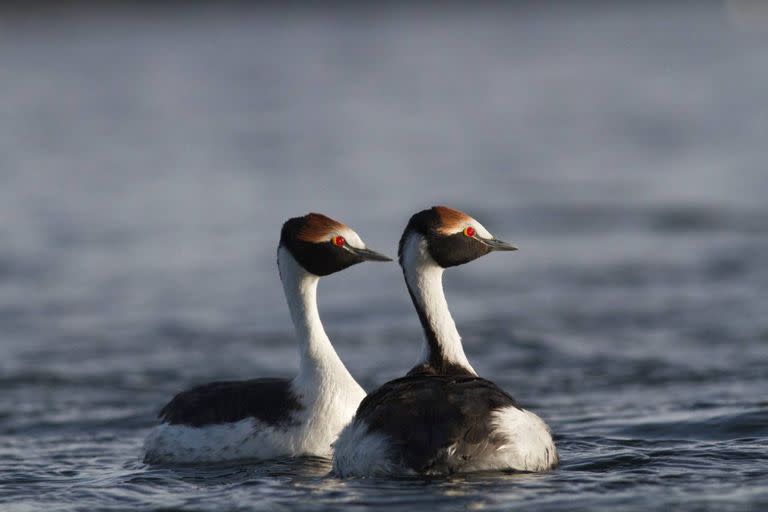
column 268, row 400
column 423, row 415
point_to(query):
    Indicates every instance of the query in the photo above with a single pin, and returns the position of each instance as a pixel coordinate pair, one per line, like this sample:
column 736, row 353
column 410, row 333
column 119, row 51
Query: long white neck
column 318, row 359
column 442, row 345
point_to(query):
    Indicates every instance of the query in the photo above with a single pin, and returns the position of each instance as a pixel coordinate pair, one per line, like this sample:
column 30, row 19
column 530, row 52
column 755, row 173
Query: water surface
column 147, row 162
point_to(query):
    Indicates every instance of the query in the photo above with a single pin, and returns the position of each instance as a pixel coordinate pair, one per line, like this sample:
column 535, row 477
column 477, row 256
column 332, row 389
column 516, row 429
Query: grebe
column 441, row 417
column 266, row 418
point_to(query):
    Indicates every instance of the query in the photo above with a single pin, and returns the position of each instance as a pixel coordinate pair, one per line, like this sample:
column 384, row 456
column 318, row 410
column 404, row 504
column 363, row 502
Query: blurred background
column 149, row 153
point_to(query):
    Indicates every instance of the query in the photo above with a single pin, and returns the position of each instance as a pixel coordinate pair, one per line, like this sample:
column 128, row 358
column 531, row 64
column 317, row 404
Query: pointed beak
column 497, row 245
column 368, row 254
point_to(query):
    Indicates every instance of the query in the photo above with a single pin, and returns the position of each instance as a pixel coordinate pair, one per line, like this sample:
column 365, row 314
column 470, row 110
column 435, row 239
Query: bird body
column 266, row 418
column 441, row 417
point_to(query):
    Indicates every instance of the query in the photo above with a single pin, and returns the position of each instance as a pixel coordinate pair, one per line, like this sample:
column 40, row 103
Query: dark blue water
column 147, row 162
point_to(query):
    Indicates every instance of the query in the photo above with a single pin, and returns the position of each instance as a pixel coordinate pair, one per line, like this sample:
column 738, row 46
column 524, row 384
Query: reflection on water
column 147, row 163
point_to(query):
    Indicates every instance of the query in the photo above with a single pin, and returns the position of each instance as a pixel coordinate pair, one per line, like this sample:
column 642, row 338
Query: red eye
column 469, row 231
column 338, row 241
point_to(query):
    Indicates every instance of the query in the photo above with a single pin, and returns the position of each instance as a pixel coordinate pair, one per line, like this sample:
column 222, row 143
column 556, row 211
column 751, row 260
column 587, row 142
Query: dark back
column 423, row 415
column 267, row 400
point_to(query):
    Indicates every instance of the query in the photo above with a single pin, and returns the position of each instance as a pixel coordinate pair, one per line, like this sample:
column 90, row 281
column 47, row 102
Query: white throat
column 424, row 278
column 318, row 359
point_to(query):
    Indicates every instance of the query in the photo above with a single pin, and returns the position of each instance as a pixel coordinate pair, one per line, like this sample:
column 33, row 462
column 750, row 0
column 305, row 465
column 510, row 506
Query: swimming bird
column 441, row 417
column 271, row 417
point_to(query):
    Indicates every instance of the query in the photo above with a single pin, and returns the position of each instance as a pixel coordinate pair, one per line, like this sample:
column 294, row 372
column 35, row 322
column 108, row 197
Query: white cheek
column 352, row 238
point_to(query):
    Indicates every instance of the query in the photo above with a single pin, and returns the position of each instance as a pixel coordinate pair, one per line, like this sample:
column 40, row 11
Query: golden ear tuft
column 318, row 228
column 451, row 221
